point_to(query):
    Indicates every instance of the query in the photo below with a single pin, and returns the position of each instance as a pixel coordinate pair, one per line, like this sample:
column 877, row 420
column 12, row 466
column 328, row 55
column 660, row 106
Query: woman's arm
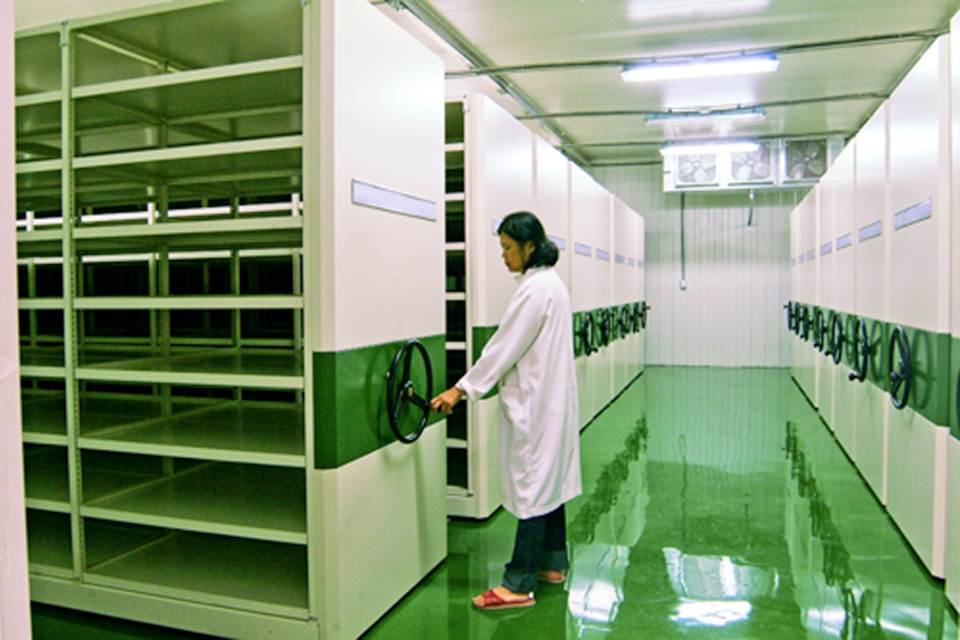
column 519, row 328
column 445, row 402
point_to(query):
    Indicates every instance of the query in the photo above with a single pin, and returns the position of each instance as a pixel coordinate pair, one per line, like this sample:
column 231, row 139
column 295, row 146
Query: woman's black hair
column 525, row 227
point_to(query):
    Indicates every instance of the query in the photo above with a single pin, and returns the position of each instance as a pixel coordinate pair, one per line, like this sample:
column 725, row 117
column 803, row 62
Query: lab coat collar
column 520, row 277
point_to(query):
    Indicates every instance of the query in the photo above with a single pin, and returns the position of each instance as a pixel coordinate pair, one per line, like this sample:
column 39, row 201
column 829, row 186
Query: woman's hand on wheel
column 445, row 402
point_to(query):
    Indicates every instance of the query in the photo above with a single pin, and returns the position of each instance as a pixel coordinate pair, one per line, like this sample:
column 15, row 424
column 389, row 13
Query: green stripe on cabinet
column 878, row 334
column 933, row 388
column 930, row 387
column 953, row 382
column 350, row 405
column 481, row 336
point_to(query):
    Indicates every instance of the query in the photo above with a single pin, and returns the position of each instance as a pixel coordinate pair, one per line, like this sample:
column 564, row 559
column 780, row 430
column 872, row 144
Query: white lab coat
column 531, row 355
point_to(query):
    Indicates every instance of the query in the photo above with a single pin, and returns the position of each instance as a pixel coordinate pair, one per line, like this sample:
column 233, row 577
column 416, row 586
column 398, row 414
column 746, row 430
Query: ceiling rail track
column 873, row 95
column 439, row 25
column 485, row 70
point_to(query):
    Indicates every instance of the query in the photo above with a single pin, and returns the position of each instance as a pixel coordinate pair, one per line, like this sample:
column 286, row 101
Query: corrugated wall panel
column 737, row 274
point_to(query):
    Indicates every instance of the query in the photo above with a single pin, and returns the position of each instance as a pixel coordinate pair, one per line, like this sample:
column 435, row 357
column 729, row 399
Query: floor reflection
column 716, row 505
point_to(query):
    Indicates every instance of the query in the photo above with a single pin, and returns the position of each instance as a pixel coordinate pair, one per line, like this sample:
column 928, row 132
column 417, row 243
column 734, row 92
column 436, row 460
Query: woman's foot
column 552, row 577
column 502, row 598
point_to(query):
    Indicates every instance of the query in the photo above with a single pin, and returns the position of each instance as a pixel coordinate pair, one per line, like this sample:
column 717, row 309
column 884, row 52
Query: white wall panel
column 501, row 183
column 845, row 283
column 919, row 289
column 369, row 258
column 845, row 212
column 587, row 201
column 953, row 465
column 920, row 173
column 917, row 484
column 381, row 108
column 736, row 265
column 14, row 595
column 952, row 560
column 624, row 245
column 392, row 493
column 872, row 404
column 552, row 200
column 871, row 168
column 826, row 300
column 870, row 439
column 738, row 431
column 810, row 277
column 809, row 270
column 603, row 361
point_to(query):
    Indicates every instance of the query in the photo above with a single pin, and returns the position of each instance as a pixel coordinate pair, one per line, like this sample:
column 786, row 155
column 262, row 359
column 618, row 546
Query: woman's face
column 515, row 254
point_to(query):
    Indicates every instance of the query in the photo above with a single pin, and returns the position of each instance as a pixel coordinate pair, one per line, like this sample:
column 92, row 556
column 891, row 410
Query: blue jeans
column 541, row 545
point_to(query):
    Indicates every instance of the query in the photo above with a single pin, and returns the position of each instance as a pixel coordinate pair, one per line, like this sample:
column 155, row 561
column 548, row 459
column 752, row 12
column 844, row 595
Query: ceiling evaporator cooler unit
column 697, row 169
column 782, row 163
column 806, row 159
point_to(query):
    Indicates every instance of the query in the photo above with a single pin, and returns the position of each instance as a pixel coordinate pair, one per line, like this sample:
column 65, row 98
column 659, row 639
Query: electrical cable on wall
column 683, row 258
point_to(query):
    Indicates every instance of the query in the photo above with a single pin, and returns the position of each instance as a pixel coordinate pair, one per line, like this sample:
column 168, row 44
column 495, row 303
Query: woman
column 531, row 356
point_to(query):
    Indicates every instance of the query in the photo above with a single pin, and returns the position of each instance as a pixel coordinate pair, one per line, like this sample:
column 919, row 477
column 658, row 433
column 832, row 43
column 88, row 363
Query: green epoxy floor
column 716, row 505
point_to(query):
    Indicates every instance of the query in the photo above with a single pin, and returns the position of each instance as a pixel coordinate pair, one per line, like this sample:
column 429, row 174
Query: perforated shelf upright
column 459, row 339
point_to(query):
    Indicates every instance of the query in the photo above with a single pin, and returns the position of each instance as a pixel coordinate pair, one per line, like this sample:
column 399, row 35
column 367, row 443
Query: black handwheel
column 578, row 337
column 836, row 338
column 900, row 376
column 635, row 319
column 603, row 327
column 819, row 329
column 643, row 314
column 583, row 334
column 789, row 308
column 805, row 323
column 861, row 351
column 587, row 333
column 624, row 321
column 400, row 390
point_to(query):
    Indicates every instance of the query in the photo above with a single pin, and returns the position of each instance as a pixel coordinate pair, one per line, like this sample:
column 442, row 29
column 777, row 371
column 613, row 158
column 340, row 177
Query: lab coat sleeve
column 519, row 328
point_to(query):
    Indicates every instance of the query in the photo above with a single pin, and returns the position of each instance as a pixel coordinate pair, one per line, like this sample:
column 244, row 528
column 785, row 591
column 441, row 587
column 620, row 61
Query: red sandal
column 492, row 602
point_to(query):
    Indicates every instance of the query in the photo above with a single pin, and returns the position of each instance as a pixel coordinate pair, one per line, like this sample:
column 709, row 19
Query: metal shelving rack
column 161, row 306
column 459, row 338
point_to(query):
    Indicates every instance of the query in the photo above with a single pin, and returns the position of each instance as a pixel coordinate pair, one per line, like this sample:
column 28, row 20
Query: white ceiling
column 557, row 63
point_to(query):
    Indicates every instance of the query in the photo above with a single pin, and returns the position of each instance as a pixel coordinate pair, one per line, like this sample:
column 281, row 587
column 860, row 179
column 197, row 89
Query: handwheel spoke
column 419, row 402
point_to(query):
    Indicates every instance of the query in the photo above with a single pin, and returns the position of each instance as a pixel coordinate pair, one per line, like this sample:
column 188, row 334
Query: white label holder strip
column 370, row 195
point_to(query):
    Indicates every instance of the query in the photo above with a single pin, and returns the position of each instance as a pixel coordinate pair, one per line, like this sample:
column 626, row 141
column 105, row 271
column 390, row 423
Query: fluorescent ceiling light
column 658, row 10
column 700, row 67
column 701, row 117
column 707, row 148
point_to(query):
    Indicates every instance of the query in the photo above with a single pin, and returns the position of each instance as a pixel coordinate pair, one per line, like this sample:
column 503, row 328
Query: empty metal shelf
column 252, row 575
column 248, row 501
column 46, row 478
column 261, row 433
column 48, row 543
column 45, row 420
column 266, row 369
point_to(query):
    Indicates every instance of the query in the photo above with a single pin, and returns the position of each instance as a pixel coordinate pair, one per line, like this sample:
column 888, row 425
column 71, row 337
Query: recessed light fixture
column 700, row 67
column 707, row 116
column 709, row 147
